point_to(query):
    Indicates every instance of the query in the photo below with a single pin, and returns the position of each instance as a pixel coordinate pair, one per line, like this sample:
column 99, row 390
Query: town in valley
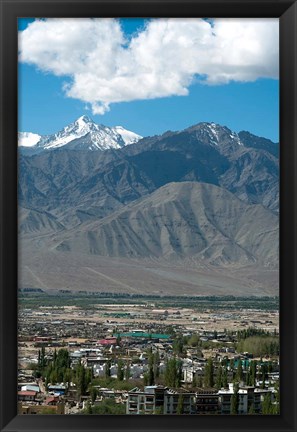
column 125, row 354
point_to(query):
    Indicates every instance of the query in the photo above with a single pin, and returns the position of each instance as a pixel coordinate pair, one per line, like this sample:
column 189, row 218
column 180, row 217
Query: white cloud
column 162, row 60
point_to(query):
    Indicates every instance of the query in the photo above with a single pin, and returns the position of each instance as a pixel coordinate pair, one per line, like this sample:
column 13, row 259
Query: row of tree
column 259, row 345
column 58, row 369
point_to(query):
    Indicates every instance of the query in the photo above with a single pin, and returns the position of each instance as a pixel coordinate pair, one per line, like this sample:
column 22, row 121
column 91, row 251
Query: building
column 249, row 398
column 173, row 398
column 159, row 400
column 107, row 341
column 57, row 388
column 27, row 395
column 141, row 402
column 207, row 402
column 30, row 387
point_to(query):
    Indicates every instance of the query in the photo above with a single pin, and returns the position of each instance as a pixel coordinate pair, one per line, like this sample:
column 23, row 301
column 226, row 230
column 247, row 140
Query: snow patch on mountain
column 234, row 136
column 212, row 133
column 128, row 136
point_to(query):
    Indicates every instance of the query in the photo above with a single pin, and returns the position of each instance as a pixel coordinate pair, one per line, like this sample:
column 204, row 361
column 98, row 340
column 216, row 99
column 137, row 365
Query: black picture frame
column 286, row 11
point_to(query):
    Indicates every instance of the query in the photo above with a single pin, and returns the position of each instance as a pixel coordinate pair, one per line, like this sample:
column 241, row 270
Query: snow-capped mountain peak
column 215, row 134
column 83, row 133
column 127, row 136
column 83, row 122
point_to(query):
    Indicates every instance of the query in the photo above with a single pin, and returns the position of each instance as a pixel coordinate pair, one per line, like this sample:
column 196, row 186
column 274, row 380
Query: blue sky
column 245, row 97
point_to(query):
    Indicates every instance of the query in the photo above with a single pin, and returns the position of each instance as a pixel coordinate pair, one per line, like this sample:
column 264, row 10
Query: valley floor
column 52, row 271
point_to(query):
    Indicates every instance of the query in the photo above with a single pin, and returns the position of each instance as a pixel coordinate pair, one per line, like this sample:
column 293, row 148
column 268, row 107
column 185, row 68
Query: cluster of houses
column 32, row 400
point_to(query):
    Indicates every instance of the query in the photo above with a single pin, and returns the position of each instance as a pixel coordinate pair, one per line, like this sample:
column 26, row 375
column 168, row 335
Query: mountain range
column 204, row 197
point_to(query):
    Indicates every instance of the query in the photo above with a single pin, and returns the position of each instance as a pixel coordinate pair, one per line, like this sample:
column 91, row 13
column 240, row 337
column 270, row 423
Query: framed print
column 148, row 212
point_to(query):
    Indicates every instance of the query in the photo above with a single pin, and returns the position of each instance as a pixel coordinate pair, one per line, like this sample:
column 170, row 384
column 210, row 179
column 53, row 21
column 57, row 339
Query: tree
column 108, row 406
column 41, row 363
column 173, row 373
column 263, row 374
column 67, row 376
column 253, row 373
column 151, row 375
column 199, row 381
column 180, row 404
column 231, row 364
column 194, row 340
column 82, row 387
column 120, row 371
column 43, row 360
column 234, row 400
column 267, row 406
column 239, row 372
column 219, row 378
column 82, row 379
column 93, row 394
column 178, row 346
column 224, row 378
column 159, row 410
column 195, row 381
column 179, row 373
column 157, row 364
column 224, row 362
column 252, row 409
column 107, row 369
column 247, row 377
column 276, row 406
column 208, row 374
column 39, row 360
column 89, row 408
column 127, row 371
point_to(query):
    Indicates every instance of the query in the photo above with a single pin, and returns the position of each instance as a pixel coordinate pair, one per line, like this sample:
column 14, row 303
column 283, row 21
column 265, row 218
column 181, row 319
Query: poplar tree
column 208, row 374
column 224, row 378
column 127, row 371
column 107, row 369
column 252, row 409
column 267, row 406
column 234, row 400
column 93, row 394
column 253, row 373
column 151, row 376
column 173, row 373
column 219, row 378
column 239, row 373
column 120, row 371
column 157, row 364
column 180, row 404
